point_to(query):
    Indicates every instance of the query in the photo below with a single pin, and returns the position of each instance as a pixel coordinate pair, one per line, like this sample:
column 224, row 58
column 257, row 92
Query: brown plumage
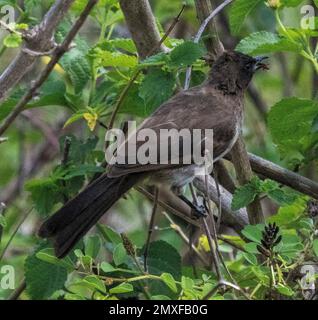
column 216, row 104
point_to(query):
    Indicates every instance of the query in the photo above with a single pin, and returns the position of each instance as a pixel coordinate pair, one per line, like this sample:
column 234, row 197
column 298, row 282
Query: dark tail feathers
column 68, row 225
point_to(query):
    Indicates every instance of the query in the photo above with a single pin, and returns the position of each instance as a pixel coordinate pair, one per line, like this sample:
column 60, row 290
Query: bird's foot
column 199, row 211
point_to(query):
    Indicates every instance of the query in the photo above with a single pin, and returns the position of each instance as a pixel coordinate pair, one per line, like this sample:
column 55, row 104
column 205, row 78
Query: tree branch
column 142, row 26
column 58, row 53
column 244, row 174
column 284, row 176
column 38, row 39
column 234, row 219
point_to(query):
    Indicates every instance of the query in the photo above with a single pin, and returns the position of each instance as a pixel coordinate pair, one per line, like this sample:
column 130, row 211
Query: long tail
column 68, row 225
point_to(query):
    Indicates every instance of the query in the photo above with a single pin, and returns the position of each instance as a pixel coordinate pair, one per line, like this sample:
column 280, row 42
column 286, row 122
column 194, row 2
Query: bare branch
column 202, row 28
column 244, row 173
column 142, row 26
column 38, row 40
column 284, row 176
column 59, row 52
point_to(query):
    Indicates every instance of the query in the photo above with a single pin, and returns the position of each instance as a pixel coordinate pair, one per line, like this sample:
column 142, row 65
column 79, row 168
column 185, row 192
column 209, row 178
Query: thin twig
column 167, row 207
column 183, row 236
column 14, row 233
column 199, row 35
column 151, row 226
column 59, row 52
column 16, row 294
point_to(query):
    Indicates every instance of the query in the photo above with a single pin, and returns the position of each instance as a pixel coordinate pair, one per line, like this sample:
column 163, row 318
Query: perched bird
column 216, row 104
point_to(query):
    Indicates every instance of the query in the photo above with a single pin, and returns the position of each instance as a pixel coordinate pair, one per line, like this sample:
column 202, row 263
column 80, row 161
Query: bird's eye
column 248, row 66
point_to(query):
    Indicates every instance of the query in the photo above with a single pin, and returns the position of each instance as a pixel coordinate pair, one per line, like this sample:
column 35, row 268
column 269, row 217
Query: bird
column 216, row 104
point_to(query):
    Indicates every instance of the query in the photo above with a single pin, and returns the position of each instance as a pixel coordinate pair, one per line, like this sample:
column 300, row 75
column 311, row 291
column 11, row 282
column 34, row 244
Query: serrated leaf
column 78, row 68
column 281, row 197
column 294, row 133
column 42, row 278
column 266, row 42
column 119, row 254
column 186, row 54
column 156, row 88
column 239, row 11
column 115, row 59
column 122, row 288
column 243, row 196
column 45, row 193
column 12, row 40
column 169, row 262
column 168, row 279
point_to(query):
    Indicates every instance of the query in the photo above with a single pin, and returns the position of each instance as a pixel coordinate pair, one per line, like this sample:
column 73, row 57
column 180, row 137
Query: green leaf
column 251, row 247
column 250, row 258
column 12, row 40
column 133, row 104
column 114, row 59
column 315, row 247
column 266, row 42
column 186, row 54
column 42, row 278
column 243, row 196
column 119, row 254
column 94, row 283
column 82, row 170
column 281, row 197
column 160, row 297
column 48, row 255
column 78, row 68
column 289, row 214
column 163, row 258
column 291, row 3
column 124, row 44
column 285, row 290
column 253, row 232
column 239, row 11
column 92, row 246
column 45, row 193
column 168, row 279
column 107, row 267
column 294, row 133
column 110, row 235
column 3, row 221
column 156, row 88
column 314, row 128
column 122, row 288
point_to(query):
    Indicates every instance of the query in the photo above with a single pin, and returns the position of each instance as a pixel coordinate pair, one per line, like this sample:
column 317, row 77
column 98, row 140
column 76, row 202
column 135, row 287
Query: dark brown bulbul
column 216, row 104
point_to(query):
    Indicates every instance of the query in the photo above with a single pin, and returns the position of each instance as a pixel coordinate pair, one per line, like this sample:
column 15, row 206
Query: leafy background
column 72, row 109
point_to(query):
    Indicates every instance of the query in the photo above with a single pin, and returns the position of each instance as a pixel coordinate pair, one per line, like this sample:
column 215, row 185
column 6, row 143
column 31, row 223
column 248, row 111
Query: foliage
column 85, row 88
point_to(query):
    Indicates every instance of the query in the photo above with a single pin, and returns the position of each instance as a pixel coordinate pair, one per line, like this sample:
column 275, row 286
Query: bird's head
column 233, row 71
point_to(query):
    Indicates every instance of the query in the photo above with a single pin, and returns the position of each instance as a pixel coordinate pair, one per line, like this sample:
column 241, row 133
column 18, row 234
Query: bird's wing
column 193, row 109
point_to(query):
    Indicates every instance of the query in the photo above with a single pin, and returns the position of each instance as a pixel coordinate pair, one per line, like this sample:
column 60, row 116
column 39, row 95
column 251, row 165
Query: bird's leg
column 198, row 211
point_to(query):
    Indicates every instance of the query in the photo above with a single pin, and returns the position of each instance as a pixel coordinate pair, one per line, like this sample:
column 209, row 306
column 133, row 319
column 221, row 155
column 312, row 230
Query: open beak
column 259, row 64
